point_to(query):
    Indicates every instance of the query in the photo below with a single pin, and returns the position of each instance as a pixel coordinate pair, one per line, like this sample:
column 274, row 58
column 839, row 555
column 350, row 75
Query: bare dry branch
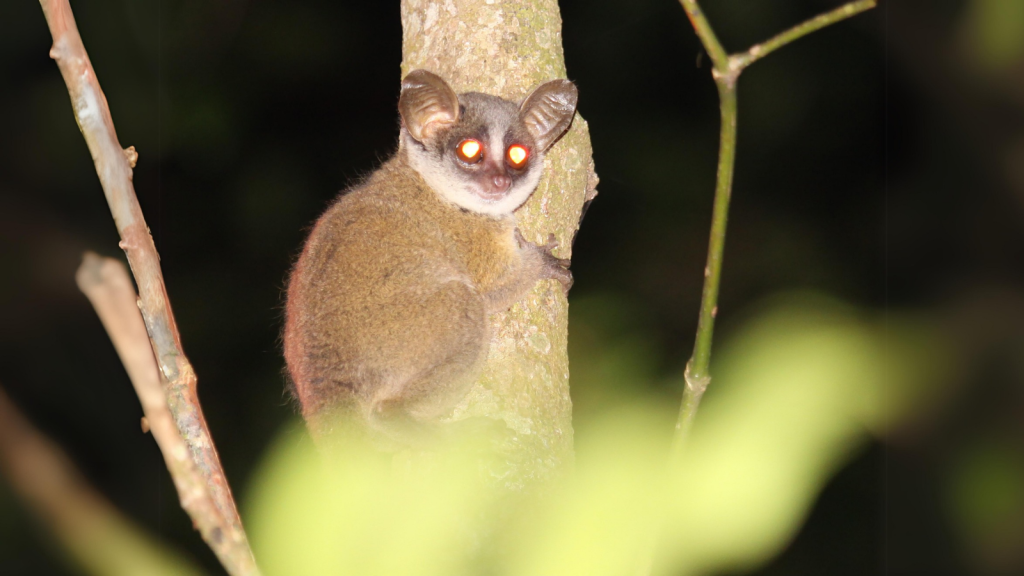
column 99, row 538
column 105, row 282
column 113, row 166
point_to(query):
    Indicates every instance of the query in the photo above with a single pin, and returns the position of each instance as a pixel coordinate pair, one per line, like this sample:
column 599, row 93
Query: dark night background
column 880, row 161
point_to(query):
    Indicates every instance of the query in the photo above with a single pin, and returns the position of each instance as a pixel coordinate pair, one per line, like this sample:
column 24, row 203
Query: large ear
column 427, row 104
column 548, row 110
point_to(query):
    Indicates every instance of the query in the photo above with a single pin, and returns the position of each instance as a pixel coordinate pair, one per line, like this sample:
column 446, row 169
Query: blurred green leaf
column 597, row 522
column 794, row 395
column 995, row 31
column 357, row 513
column 985, row 497
column 788, row 406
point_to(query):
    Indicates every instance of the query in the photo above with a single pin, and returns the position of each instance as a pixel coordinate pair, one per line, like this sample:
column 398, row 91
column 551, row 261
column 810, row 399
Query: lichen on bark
column 507, row 47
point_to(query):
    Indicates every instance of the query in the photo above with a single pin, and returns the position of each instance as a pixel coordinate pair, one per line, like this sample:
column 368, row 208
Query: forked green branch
column 758, row 51
column 726, row 70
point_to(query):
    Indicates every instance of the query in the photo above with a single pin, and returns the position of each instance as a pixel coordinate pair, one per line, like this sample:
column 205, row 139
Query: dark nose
column 501, row 182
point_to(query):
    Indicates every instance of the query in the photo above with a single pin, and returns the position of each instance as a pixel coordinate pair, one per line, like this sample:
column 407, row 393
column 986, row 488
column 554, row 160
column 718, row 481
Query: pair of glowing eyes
column 471, row 151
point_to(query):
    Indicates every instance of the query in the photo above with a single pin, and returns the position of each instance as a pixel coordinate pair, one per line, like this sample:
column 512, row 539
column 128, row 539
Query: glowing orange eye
column 517, row 155
column 469, row 150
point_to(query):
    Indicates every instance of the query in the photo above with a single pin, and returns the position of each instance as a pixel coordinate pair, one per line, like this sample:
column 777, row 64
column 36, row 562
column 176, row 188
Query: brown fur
column 386, row 320
column 387, row 305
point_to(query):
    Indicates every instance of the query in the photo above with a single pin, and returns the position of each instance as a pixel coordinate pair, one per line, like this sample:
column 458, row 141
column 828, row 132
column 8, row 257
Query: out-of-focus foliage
column 795, row 394
column 95, row 539
column 116, row 546
column 985, row 498
column 995, row 32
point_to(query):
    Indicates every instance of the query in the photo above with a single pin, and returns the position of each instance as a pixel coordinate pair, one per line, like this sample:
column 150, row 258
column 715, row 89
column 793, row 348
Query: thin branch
column 698, row 367
column 758, row 51
column 99, row 538
column 107, row 285
column 726, row 73
column 115, row 173
column 719, row 57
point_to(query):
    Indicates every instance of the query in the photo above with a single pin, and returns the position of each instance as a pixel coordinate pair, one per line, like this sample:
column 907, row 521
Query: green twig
column 758, row 51
column 696, row 376
column 719, row 57
column 726, row 71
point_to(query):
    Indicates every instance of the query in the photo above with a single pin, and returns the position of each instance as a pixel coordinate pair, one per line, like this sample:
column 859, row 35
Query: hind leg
column 437, row 370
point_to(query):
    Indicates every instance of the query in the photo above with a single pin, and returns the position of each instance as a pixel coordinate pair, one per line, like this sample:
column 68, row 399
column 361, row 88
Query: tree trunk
column 506, row 47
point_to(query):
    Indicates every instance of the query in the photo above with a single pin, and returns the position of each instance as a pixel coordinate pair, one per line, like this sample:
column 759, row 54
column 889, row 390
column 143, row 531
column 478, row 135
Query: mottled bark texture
column 507, row 47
